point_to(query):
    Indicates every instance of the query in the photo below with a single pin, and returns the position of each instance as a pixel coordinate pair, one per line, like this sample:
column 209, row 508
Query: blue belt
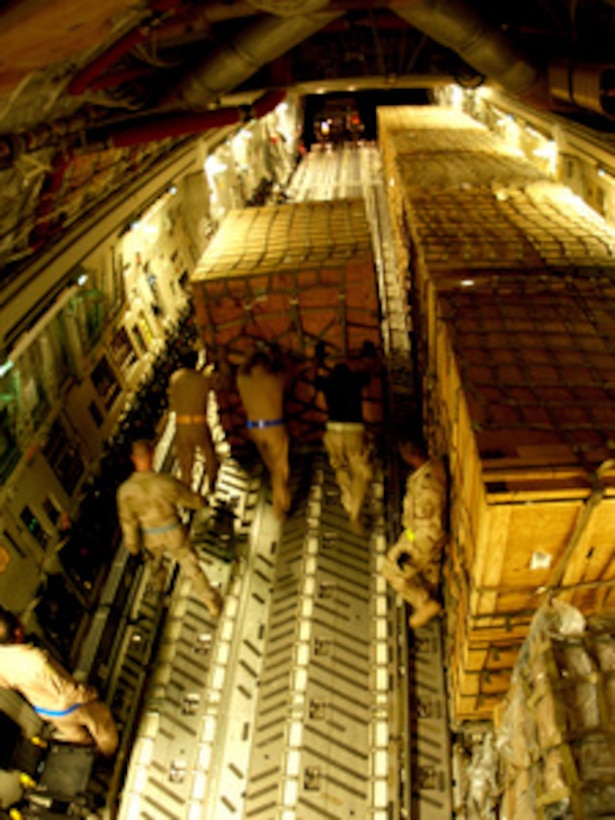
column 163, row 528
column 260, row 425
column 54, row 712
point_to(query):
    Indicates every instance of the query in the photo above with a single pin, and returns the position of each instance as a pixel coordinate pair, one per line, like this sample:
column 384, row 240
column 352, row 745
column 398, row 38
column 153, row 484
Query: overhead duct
column 161, row 126
column 76, row 137
column 256, row 45
column 288, row 8
column 587, row 86
column 158, row 127
column 457, row 26
column 181, row 124
column 164, row 15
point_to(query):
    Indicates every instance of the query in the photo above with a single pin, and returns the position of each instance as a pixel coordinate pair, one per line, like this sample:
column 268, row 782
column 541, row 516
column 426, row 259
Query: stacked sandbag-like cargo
column 556, row 755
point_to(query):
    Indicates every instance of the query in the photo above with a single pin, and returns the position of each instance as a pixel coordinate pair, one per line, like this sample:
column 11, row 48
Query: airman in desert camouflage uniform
column 345, row 437
column 412, row 565
column 147, row 505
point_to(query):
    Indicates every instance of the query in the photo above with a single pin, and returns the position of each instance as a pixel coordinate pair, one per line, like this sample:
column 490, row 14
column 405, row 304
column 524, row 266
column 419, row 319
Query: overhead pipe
column 455, row 25
column 157, row 127
column 177, row 123
column 289, row 8
column 80, row 137
column 265, row 104
column 116, row 78
column 89, row 77
column 81, row 81
column 254, row 46
column 584, row 85
column 83, row 78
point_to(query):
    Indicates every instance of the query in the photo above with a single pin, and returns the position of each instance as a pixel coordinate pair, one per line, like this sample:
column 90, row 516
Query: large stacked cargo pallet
column 514, row 293
column 555, row 736
column 293, row 275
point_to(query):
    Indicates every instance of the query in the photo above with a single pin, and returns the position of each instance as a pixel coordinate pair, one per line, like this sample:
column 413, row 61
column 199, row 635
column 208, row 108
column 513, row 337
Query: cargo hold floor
column 303, row 699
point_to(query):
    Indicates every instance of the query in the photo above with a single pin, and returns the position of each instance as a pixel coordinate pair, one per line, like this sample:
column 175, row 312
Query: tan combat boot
column 214, row 604
column 424, row 613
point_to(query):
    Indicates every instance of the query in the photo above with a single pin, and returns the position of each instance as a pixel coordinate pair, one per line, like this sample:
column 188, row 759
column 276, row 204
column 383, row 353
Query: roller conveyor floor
column 284, row 703
column 306, row 698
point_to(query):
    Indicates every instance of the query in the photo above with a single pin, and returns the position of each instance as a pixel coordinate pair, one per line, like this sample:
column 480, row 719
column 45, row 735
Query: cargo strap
column 56, row 712
column 162, row 528
column 190, row 419
column 260, row 425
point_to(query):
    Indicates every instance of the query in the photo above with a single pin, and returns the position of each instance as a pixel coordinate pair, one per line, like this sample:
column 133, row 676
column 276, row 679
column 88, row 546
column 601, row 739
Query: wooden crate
column 541, row 225
column 526, row 438
column 459, row 199
column 436, row 156
column 483, row 650
column 514, row 301
column 294, row 275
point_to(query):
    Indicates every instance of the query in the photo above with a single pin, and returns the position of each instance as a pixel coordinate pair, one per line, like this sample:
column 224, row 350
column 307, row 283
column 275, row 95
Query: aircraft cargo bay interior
column 308, row 434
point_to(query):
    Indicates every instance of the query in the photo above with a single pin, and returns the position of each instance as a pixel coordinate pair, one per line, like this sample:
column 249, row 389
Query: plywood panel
column 593, row 560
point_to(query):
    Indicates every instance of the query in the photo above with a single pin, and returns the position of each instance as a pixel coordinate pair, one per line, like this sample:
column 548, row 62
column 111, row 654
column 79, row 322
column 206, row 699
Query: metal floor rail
column 305, row 699
column 281, row 709
column 420, row 747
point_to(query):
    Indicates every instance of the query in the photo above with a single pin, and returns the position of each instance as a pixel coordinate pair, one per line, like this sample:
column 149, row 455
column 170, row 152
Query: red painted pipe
column 82, row 79
column 137, row 132
column 119, row 77
column 163, row 126
column 180, row 123
column 267, row 103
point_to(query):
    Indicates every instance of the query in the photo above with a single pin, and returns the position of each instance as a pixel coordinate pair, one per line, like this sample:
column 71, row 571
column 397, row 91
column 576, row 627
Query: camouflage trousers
column 417, row 579
column 273, row 445
column 176, row 545
column 349, row 456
